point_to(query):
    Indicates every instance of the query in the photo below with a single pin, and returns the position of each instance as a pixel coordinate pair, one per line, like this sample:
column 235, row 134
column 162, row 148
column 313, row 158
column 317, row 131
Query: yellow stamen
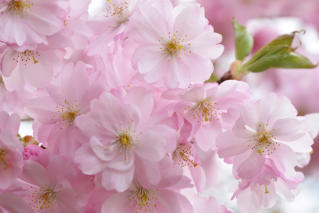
column 144, row 199
column 69, row 116
column 44, row 199
column 3, row 159
column 69, row 112
column 111, row 3
column 125, row 143
column 19, row 5
column 264, row 141
column 183, row 155
column 125, row 140
column 266, row 190
column 205, row 110
column 117, row 10
column 173, row 47
column 26, row 56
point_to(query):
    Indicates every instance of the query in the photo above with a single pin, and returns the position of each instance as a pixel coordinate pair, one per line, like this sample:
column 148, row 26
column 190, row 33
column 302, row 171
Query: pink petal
column 285, row 161
column 148, row 57
column 287, row 129
column 302, row 145
column 206, row 136
column 98, row 125
column 117, row 180
column 13, row 203
column 170, row 201
column 171, row 174
column 87, row 160
column 150, row 145
column 42, row 109
column 247, row 167
column 194, row 94
column 194, row 68
column 190, row 21
column 229, row 145
column 42, row 21
column 142, row 100
column 8, row 63
column 104, row 153
column 78, row 75
column 119, row 202
column 37, row 75
column 146, row 172
column 35, row 174
column 15, row 81
column 207, row 44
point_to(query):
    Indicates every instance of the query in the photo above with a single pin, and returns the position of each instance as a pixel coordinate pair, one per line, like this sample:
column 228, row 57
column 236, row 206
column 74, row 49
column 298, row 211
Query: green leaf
column 243, row 41
column 278, row 54
column 294, row 60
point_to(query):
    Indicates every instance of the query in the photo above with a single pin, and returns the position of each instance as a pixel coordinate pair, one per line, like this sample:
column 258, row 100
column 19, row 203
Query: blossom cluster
column 124, row 119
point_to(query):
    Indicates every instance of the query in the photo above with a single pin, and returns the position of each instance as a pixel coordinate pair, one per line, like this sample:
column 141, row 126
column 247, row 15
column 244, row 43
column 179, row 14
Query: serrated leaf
column 243, row 41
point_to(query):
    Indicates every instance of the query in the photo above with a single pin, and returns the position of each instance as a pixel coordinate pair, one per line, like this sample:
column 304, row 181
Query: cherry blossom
column 49, row 187
column 268, row 129
column 173, row 41
column 33, row 21
column 56, row 110
column 121, row 135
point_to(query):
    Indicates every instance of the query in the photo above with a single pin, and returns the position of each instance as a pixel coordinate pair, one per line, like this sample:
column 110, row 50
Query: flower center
column 264, row 142
column 19, row 5
column 115, row 10
column 175, row 45
column 205, row 111
column 69, row 116
column 69, row 112
column 183, row 156
column 124, row 142
column 143, row 199
column 3, row 159
column 27, row 56
column 44, row 199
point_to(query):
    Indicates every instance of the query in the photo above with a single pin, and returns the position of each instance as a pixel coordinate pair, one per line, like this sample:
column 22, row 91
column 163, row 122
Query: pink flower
column 189, row 156
column 114, row 14
column 123, row 138
column 175, row 44
column 209, row 108
column 263, row 191
column 52, row 187
column 33, row 21
column 142, row 199
column 108, row 20
column 11, row 149
column 56, row 110
column 162, row 197
column 34, row 67
column 268, row 129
